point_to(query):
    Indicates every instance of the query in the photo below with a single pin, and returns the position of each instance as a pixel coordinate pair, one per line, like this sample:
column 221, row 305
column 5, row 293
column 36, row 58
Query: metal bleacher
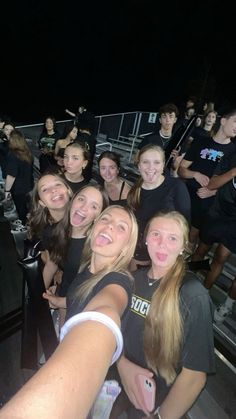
column 122, row 133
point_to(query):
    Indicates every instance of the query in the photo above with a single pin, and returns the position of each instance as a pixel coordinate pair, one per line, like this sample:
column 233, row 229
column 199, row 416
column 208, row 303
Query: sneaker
column 221, row 313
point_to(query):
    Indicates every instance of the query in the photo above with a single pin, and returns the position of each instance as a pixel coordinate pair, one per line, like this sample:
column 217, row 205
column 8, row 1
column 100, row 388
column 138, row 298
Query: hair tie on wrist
column 97, row 317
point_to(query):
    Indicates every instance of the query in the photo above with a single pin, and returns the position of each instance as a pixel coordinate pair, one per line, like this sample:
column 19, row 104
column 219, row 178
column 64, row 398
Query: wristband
column 97, row 317
column 7, row 191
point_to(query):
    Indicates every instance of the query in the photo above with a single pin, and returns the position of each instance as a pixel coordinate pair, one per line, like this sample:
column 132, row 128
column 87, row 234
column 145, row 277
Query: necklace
column 151, row 280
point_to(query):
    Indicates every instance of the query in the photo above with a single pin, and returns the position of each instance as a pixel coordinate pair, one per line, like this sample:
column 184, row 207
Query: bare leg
column 220, row 257
column 193, row 238
column 201, row 251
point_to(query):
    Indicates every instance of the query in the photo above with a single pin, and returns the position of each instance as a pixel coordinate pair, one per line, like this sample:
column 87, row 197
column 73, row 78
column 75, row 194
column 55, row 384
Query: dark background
column 114, row 56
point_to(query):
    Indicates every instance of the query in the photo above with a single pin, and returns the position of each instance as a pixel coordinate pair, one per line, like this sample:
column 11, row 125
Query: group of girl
column 163, row 310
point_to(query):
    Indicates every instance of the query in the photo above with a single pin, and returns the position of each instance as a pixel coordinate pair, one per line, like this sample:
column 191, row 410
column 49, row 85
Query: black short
column 199, row 209
column 219, row 230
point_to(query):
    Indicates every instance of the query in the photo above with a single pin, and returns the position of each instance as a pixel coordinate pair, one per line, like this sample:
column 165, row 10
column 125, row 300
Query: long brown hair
column 19, row 146
column 39, row 215
column 163, row 324
column 133, row 198
column 61, row 234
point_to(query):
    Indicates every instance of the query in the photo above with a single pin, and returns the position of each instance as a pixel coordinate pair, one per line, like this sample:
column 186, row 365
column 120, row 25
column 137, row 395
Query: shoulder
column 192, row 289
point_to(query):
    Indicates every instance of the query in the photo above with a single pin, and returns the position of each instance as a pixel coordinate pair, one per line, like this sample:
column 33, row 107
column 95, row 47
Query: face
column 73, row 133
column 49, row 124
column 151, row 166
column 7, row 130
column 52, row 192
column 86, row 206
column 111, row 233
column 108, row 169
column 210, row 119
column 167, row 120
column 229, row 126
column 164, row 242
column 74, row 161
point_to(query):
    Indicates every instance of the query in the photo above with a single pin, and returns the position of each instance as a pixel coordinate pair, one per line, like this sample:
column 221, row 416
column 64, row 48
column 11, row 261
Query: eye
column 80, row 198
column 95, row 207
column 121, row 227
column 173, row 238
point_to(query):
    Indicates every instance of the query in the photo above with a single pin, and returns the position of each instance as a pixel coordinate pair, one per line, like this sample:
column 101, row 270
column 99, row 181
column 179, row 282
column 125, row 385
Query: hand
column 128, row 372
column 203, row 180
column 205, row 193
column 175, row 153
column 54, row 300
column 57, row 277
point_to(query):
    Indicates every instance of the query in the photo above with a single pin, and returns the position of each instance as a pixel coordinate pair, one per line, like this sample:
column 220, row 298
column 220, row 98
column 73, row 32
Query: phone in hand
column 147, row 389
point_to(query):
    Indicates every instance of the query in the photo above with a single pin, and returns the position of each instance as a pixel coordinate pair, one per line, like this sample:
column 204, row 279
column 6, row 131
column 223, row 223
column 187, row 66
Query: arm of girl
column 183, row 394
column 68, row 383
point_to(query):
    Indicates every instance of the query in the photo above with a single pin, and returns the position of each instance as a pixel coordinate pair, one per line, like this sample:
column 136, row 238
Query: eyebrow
column 123, row 221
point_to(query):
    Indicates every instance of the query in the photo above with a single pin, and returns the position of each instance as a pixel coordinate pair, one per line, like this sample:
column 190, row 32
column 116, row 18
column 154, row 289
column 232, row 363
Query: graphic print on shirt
column 211, row 154
column 139, row 306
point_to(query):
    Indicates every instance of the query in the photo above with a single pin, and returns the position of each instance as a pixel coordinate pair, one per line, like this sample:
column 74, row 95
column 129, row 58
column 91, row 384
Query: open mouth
column 77, row 218
column 56, row 198
column 161, row 257
column 103, row 239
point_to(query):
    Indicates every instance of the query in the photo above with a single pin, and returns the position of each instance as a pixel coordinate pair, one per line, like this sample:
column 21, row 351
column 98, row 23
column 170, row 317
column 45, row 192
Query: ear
column 41, row 203
column 85, row 164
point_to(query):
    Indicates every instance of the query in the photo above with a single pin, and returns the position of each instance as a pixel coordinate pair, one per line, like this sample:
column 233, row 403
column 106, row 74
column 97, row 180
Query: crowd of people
column 116, row 256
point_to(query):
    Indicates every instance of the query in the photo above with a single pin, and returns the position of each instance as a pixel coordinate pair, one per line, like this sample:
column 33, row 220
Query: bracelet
column 7, row 191
column 97, row 317
column 157, row 412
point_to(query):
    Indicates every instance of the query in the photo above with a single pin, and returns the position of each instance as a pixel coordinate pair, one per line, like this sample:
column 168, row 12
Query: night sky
column 114, row 56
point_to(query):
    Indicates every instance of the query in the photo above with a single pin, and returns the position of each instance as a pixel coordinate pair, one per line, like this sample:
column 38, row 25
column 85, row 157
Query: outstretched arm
column 70, row 113
column 66, row 386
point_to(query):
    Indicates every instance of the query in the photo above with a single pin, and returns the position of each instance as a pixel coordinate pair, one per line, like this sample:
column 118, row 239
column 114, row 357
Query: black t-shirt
column 72, row 263
column 205, row 154
column 172, row 194
column 225, row 200
column 75, row 186
column 47, row 141
column 195, row 307
column 75, row 305
column 156, row 139
column 22, row 171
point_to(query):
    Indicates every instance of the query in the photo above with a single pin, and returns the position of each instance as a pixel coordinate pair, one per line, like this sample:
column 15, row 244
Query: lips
column 103, row 239
column 56, row 198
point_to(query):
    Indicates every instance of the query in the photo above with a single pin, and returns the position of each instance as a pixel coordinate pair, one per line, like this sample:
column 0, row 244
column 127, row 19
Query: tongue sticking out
column 77, row 219
column 161, row 256
column 102, row 240
column 150, row 177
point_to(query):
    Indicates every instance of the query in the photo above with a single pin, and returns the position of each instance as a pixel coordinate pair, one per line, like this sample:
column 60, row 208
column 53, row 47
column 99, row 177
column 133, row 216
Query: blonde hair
column 163, row 325
column 120, row 264
column 133, row 198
